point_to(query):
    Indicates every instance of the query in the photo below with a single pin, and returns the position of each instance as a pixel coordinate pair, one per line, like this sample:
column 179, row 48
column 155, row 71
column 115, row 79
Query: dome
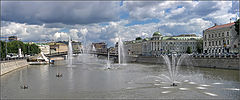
column 157, row 33
column 146, row 39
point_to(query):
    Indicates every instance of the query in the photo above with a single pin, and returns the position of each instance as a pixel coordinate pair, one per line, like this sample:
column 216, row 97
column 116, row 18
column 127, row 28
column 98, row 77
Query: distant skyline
column 104, row 21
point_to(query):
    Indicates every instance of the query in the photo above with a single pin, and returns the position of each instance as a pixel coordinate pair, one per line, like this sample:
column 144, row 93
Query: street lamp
column 6, row 48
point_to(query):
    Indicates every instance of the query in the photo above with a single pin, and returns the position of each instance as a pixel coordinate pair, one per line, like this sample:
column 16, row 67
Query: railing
column 200, row 55
column 217, row 56
column 10, row 59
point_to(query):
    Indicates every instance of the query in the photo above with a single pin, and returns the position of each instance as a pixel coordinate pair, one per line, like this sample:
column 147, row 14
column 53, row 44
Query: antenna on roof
column 230, row 20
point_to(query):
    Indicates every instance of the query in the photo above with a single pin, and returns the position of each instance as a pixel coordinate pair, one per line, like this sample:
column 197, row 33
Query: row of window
column 171, row 48
column 165, row 43
column 215, row 35
column 216, row 51
column 158, row 38
column 217, row 43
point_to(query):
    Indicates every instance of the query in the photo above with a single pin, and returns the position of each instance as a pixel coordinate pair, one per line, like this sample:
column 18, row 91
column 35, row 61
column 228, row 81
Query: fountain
column 93, row 49
column 108, row 66
column 121, row 54
column 24, row 85
column 86, row 57
column 70, row 51
column 20, row 52
column 173, row 75
column 79, row 49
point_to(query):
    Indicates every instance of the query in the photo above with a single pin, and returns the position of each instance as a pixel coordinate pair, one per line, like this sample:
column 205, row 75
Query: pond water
column 90, row 79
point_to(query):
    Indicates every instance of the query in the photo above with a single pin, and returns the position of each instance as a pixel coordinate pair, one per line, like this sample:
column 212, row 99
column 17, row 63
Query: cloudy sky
column 104, row 21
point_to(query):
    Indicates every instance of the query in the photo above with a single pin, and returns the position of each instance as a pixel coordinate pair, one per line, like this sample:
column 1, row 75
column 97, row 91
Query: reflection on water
column 91, row 80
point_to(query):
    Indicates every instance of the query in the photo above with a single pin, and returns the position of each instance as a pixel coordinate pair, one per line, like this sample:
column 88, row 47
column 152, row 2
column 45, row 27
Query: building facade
column 44, row 48
column 77, row 46
column 133, row 47
column 173, row 44
column 112, row 50
column 220, row 39
column 100, row 47
column 146, row 47
column 12, row 38
column 58, row 47
column 159, row 44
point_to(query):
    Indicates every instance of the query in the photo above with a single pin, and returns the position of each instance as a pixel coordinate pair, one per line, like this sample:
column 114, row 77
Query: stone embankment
column 57, row 58
column 225, row 63
column 8, row 66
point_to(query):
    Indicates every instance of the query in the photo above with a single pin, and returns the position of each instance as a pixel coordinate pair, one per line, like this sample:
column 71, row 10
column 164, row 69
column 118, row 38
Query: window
column 219, row 34
column 216, row 43
column 212, row 43
column 227, row 33
column 209, row 36
column 212, row 35
column 223, row 34
column 205, row 43
column 219, row 43
column 228, row 42
column 209, row 43
column 215, row 35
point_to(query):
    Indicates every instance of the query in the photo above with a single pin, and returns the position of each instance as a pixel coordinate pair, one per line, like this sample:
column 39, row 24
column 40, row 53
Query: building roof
column 157, row 33
column 180, row 38
column 221, row 26
column 54, row 43
column 146, row 39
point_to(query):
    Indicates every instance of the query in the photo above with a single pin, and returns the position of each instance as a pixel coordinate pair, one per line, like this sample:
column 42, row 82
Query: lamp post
column 6, row 48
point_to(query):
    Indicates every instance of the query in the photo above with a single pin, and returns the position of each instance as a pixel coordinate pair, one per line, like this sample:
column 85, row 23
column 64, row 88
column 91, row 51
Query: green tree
column 13, row 46
column 199, row 46
column 138, row 38
column 34, row 49
column 189, row 50
column 237, row 26
column 3, row 49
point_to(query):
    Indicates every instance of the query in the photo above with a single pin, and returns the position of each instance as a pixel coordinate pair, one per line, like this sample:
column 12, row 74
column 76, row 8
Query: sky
column 105, row 21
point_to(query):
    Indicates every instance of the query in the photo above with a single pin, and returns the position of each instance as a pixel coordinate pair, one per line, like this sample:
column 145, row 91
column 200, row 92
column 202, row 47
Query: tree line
column 13, row 46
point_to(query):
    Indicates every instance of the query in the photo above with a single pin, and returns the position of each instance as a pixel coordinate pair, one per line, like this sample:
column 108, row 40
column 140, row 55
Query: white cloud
column 61, row 36
column 84, row 31
column 175, row 18
column 74, row 34
column 28, row 32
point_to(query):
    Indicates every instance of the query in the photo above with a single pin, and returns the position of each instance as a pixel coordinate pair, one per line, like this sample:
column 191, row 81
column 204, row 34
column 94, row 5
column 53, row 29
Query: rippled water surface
column 90, row 79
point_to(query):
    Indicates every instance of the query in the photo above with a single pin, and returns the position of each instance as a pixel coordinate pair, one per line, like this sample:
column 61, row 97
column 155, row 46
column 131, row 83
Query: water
column 121, row 53
column 70, row 52
column 93, row 49
column 90, row 80
column 108, row 66
column 20, row 52
column 173, row 76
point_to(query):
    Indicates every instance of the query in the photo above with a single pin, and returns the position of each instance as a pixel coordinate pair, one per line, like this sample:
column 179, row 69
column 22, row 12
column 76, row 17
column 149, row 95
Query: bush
column 189, row 50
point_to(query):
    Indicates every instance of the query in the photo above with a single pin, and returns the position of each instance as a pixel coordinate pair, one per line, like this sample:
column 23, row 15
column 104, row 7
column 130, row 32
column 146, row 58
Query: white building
column 160, row 44
column 146, row 47
column 44, row 48
column 133, row 47
column 168, row 44
column 220, row 39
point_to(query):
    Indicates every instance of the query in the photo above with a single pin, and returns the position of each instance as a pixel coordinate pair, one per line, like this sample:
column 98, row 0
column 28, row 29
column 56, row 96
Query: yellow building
column 58, row 48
